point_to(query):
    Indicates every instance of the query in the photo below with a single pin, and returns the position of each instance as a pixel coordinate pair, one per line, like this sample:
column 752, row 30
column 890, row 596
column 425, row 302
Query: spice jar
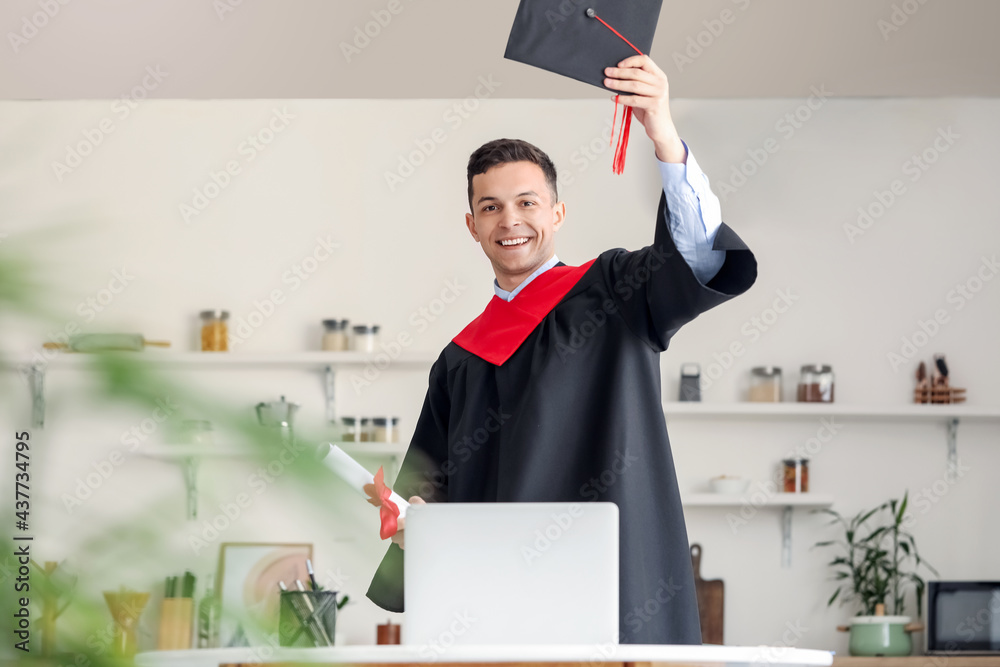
column 334, row 335
column 765, row 384
column 386, row 429
column 815, row 384
column 367, row 430
column 351, row 429
column 796, row 475
column 214, row 330
column 365, row 337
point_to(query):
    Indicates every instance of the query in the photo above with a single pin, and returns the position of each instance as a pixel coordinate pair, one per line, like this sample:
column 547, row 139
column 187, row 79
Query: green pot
column 880, row 635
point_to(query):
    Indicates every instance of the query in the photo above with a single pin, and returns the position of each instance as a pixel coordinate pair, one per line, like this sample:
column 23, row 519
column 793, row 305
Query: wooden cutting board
column 711, row 597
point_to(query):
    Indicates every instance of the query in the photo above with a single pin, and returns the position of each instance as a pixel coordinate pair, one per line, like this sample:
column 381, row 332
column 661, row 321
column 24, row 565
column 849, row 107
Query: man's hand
column 650, row 102
column 398, row 537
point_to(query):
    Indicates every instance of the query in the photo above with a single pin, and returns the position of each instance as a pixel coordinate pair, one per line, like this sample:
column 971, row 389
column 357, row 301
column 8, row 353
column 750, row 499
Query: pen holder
column 176, row 618
column 307, row 618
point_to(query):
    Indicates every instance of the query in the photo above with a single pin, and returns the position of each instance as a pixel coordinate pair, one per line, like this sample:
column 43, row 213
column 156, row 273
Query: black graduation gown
column 560, row 401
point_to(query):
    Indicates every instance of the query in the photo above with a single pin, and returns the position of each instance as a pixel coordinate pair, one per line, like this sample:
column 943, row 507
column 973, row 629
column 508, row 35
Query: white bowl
column 731, row 486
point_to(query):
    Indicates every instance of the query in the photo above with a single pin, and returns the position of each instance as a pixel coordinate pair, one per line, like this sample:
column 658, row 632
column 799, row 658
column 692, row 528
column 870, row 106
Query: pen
column 297, row 611
column 312, row 614
column 312, row 575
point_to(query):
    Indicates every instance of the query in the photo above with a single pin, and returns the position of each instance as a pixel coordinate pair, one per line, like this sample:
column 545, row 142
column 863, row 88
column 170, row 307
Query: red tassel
column 618, row 165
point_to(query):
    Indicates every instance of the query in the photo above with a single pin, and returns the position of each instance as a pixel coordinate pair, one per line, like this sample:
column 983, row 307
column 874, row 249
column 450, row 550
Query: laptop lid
column 511, row 573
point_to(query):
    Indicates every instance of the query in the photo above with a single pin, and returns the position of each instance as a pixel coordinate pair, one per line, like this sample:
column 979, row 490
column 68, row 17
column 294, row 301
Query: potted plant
column 876, row 566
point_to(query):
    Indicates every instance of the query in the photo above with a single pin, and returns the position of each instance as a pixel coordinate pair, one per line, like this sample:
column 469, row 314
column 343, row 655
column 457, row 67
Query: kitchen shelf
column 906, row 412
column 950, row 415
column 181, row 452
column 317, row 360
column 800, row 500
column 326, row 362
column 786, row 501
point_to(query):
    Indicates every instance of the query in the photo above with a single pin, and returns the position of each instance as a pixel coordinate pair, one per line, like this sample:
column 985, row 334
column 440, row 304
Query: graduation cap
column 579, row 38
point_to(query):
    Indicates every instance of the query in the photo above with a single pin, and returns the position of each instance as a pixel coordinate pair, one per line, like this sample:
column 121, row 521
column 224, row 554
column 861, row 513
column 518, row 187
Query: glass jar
column 365, row 338
column 367, row 430
column 796, row 475
column 815, row 384
column 350, row 429
column 214, row 331
column 334, row 335
column 386, row 429
column 765, row 384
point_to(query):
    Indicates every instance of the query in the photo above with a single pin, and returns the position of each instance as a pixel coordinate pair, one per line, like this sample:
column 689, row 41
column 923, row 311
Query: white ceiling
column 440, row 48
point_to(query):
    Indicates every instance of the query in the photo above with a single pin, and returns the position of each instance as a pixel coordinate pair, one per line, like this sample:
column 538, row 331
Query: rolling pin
column 105, row 342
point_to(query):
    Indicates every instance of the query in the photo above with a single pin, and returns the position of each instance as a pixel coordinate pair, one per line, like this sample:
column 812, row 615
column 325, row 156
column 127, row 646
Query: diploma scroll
column 352, row 472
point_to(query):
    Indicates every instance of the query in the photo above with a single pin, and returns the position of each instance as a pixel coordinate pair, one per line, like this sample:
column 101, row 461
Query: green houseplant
column 877, row 564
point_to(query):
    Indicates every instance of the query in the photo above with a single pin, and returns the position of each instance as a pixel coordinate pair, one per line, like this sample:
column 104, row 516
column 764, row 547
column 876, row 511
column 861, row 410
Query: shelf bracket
column 189, row 467
column 36, row 383
column 786, row 537
column 953, row 447
column 329, row 378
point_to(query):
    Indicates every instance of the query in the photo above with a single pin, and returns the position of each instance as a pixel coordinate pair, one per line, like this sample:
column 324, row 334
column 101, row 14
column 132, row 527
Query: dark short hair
column 502, row 151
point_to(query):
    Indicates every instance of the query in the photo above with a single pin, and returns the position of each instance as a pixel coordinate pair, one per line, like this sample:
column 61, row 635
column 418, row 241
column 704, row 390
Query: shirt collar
column 507, row 296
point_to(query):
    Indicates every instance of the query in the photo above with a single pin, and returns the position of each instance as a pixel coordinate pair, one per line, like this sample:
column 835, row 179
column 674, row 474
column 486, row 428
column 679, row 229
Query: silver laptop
column 510, row 573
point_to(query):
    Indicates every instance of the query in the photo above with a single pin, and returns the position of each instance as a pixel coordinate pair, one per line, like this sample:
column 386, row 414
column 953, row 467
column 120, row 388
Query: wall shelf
column 309, row 360
column 905, row 412
column 950, row 415
column 799, row 500
column 329, row 363
column 787, row 502
column 180, row 452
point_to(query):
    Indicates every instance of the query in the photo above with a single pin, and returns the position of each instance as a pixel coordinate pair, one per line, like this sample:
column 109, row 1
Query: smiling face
column 514, row 220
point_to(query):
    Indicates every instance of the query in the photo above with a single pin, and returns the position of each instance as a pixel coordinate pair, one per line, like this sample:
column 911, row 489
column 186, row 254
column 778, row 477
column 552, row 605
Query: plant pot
column 880, row 636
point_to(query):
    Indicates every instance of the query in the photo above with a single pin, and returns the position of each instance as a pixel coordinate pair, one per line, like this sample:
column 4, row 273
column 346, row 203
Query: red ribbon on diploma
column 378, row 495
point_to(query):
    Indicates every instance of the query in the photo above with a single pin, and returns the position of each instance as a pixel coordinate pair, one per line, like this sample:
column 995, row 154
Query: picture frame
column 248, row 592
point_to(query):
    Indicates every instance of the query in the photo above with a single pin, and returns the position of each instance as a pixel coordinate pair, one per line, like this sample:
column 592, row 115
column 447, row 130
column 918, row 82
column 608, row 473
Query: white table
column 591, row 655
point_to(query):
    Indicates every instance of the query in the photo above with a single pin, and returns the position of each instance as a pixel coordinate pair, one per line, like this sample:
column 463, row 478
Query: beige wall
column 324, row 176
column 438, row 48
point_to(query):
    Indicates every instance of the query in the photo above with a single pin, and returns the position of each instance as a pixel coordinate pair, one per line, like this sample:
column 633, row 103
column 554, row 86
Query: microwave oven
column 963, row 617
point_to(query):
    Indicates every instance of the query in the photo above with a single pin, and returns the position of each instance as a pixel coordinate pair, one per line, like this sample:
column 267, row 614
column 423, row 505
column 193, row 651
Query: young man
column 553, row 394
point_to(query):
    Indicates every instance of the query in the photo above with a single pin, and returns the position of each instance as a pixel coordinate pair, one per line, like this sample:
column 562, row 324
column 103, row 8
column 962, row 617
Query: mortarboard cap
column 579, row 38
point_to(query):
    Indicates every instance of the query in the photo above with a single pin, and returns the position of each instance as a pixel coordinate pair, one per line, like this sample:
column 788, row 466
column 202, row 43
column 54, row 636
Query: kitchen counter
column 920, row 661
column 666, row 655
